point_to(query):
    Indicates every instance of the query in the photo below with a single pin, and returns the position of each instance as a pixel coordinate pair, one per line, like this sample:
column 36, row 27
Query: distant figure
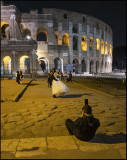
column 84, row 128
column 69, row 77
column 18, row 77
column 50, row 79
column 21, row 77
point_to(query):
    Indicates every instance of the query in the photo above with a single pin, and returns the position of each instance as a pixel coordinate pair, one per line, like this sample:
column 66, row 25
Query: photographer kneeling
column 84, row 128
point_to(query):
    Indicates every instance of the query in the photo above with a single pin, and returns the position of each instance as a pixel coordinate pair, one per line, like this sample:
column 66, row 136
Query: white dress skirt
column 59, row 88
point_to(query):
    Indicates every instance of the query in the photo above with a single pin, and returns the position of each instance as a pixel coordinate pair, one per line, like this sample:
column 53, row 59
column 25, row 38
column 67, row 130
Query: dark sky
column 111, row 12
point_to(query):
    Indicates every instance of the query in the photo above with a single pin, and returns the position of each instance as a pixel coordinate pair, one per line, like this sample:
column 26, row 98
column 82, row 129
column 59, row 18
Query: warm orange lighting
column 84, row 43
column 22, row 63
column 106, row 48
column 97, row 44
column 102, row 47
column 111, row 49
column 3, row 22
column 66, row 39
column 91, row 42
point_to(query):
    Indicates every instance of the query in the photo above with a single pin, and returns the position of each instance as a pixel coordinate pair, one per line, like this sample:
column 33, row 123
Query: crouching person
column 84, row 128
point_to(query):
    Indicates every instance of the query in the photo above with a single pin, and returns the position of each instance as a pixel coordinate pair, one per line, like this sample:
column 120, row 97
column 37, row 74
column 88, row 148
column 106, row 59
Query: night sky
column 111, row 12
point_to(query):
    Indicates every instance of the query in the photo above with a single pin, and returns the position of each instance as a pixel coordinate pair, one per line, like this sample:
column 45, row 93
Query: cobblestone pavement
column 38, row 115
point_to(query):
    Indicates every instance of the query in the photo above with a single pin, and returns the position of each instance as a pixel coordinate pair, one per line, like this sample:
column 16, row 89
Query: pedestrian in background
column 18, row 77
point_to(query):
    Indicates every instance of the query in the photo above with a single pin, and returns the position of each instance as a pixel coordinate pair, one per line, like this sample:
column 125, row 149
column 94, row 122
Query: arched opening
column 42, row 36
column 97, row 44
column 75, row 66
column 4, row 25
column 106, row 48
column 102, row 47
column 75, row 29
column 6, row 68
column 26, row 34
column 44, row 64
column 91, row 67
column 83, row 66
column 75, row 43
column 97, row 66
column 57, row 38
column 101, row 68
column 105, row 67
column 91, row 43
column 58, row 64
column 66, row 39
column 111, row 49
column 84, row 43
column 25, row 65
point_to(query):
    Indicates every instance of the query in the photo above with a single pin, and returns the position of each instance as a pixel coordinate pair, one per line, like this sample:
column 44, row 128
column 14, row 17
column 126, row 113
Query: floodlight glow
column 28, row 37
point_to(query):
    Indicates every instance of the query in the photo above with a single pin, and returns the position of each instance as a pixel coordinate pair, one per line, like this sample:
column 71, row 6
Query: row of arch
column 6, row 68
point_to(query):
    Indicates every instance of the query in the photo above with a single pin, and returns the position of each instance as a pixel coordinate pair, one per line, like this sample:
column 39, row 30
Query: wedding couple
column 58, row 87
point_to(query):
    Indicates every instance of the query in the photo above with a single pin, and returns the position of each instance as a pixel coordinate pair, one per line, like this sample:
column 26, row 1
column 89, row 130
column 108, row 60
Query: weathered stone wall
column 55, row 23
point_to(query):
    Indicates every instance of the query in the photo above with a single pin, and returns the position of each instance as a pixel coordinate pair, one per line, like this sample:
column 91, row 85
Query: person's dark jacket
column 85, row 127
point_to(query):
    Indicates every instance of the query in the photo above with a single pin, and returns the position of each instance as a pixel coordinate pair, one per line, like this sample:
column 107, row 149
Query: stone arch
column 25, row 64
column 83, row 63
column 44, row 63
column 106, row 48
column 91, row 42
column 75, row 43
column 4, row 26
column 84, row 43
column 97, row 66
column 91, row 66
column 6, row 67
column 26, row 34
column 102, row 47
column 65, row 39
column 58, row 64
column 97, row 44
column 42, row 35
column 75, row 65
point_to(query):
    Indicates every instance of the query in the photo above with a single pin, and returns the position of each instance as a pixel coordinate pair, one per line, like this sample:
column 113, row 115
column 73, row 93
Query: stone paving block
column 95, row 144
column 31, row 147
column 14, row 119
column 9, row 145
column 61, row 143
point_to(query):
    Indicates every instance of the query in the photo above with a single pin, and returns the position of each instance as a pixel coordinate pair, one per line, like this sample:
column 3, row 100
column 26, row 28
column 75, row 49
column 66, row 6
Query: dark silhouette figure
column 18, row 77
column 84, row 128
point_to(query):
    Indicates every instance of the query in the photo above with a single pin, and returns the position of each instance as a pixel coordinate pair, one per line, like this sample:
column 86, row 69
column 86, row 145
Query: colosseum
column 65, row 40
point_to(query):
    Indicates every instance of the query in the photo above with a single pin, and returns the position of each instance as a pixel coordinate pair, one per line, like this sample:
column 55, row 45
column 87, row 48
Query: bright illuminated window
column 102, row 47
column 106, row 48
column 97, row 44
column 84, row 43
column 66, row 39
column 91, row 42
column 111, row 49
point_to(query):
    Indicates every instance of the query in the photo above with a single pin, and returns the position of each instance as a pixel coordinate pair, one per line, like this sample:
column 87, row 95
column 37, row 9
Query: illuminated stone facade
column 36, row 42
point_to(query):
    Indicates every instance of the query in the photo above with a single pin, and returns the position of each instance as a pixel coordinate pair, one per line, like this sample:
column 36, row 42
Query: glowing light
column 66, row 39
column 28, row 37
column 91, row 41
column 102, row 47
column 84, row 43
column 106, row 50
column 97, row 44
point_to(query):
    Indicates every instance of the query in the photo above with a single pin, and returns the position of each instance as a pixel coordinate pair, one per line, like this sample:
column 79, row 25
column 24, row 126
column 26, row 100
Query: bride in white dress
column 58, row 87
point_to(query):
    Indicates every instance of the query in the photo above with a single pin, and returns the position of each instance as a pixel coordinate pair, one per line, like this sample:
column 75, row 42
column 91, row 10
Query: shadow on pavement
column 76, row 95
column 109, row 139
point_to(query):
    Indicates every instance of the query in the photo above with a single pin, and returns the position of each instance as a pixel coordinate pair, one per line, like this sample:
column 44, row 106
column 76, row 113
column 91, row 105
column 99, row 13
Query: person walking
column 84, row 128
column 21, row 77
column 18, row 77
column 58, row 87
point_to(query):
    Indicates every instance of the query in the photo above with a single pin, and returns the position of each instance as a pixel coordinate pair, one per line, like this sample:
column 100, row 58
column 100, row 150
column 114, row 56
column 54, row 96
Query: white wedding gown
column 59, row 88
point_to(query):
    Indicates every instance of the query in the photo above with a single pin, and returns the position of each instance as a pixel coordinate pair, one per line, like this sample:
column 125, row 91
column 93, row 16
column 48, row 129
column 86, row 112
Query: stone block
column 10, row 126
column 31, row 147
column 14, row 119
column 9, row 145
column 61, row 143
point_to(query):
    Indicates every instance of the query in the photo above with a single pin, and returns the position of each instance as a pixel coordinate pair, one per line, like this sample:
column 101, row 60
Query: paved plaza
column 34, row 127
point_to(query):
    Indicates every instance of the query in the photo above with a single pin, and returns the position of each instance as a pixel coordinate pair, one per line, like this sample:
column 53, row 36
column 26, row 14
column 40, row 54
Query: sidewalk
column 60, row 147
column 9, row 93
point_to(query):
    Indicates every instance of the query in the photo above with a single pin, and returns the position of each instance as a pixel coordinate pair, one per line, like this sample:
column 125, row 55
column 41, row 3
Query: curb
column 22, row 92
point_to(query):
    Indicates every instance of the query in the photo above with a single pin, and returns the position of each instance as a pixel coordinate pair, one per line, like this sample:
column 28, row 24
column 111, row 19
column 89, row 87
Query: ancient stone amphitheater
column 65, row 40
